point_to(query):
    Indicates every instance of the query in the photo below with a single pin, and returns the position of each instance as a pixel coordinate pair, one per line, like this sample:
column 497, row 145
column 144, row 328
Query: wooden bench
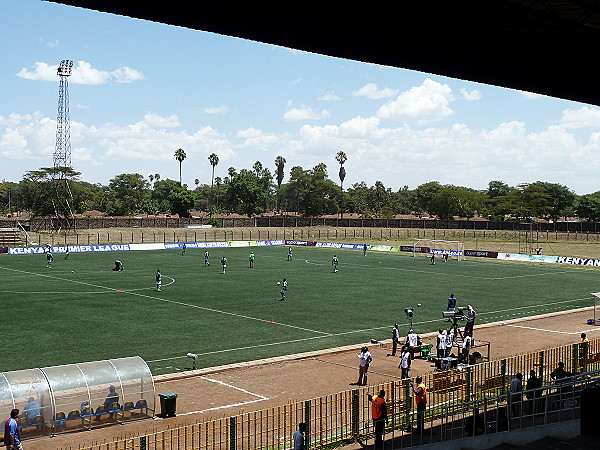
column 493, row 382
column 447, row 380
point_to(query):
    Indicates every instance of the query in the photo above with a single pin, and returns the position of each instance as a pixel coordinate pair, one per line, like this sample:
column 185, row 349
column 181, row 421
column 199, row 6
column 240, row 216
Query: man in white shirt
column 449, row 341
column 466, row 348
column 405, row 360
column 365, row 360
column 441, row 344
column 412, row 340
column 470, row 320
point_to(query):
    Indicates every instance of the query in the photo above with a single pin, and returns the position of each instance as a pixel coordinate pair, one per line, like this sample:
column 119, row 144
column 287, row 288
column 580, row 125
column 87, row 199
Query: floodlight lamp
column 65, row 68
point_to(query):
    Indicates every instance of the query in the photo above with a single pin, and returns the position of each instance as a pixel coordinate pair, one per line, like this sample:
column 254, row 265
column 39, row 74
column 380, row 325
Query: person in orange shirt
column 420, row 391
column 379, row 415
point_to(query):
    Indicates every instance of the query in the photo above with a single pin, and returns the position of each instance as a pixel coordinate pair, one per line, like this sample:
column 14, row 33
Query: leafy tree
column 246, row 193
column 128, row 192
column 588, row 207
column 38, row 190
column 311, row 191
column 181, row 200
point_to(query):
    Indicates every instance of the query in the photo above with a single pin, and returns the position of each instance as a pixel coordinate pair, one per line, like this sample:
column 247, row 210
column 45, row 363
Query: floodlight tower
column 62, row 152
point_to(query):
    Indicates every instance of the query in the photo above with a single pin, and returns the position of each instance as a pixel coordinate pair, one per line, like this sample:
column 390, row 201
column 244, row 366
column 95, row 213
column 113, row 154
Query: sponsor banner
column 441, row 251
column 157, row 246
column 72, row 249
column 410, row 248
column 578, row 261
column 296, row 242
column 3, row 249
column 268, row 243
column 527, row 258
column 242, row 243
column 383, row 248
column 481, row 253
column 339, row 245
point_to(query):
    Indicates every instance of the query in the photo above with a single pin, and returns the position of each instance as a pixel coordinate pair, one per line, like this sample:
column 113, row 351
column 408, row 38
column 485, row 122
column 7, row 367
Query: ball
column 418, row 304
column 278, row 283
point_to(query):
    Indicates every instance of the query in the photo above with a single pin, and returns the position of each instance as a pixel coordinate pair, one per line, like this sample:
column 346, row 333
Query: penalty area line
column 260, row 398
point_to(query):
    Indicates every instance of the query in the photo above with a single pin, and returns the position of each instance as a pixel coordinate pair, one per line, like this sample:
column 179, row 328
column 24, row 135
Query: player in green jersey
column 251, row 259
column 334, row 263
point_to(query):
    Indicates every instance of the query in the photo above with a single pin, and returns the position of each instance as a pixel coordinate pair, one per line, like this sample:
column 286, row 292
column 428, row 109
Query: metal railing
column 453, row 396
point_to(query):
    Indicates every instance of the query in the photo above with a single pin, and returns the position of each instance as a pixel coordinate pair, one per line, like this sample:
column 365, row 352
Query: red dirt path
column 230, row 390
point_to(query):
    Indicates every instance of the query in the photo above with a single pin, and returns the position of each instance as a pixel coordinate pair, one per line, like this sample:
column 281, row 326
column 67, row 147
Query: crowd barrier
column 345, row 417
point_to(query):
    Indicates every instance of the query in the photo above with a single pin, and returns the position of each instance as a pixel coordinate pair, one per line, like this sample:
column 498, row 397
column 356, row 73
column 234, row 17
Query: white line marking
column 553, row 331
column 204, row 308
column 260, row 398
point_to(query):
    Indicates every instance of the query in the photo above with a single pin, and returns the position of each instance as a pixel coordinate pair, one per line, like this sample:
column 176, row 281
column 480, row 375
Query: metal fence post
column 232, row 433
column 307, row 422
column 355, row 427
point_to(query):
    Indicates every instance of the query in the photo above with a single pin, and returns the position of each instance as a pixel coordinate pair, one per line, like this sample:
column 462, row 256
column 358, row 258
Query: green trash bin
column 168, row 404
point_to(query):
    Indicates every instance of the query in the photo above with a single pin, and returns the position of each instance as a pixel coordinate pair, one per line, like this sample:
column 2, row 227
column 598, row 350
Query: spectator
column 299, row 437
column 449, row 341
column 405, row 362
column 31, row 409
column 395, row 339
column 420, row 391
column 12, row 438
column 363, row 368
column 559, row 372
column 441, row 344
column 516, row 394
column 534, row 393
column 379, row 415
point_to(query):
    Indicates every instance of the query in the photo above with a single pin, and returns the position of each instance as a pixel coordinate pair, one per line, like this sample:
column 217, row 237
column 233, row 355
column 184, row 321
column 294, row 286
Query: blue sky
column 140, row 90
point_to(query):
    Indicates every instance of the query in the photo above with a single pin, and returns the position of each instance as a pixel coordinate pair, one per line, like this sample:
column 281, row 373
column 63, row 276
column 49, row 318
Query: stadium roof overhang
column 544, row 46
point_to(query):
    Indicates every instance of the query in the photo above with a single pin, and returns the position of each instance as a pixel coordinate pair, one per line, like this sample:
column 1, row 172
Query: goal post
column 425, row 247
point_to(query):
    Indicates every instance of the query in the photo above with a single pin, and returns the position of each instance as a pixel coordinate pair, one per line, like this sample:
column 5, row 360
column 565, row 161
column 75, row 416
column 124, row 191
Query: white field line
column 553, row 331
column 174, row 302
column 260, row 398
column 431, row 272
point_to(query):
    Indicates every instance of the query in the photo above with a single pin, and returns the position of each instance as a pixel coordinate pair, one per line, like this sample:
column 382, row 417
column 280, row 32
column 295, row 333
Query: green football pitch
column 80, row 310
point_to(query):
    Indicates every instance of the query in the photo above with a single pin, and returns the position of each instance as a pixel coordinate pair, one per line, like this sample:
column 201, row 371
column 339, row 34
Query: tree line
column 309, row 192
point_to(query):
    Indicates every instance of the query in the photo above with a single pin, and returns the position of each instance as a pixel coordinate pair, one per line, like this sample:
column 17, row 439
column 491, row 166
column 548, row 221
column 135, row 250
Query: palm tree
column 180, row 156
column 157, row 176
column 196, row 182
column 280, row 163
column 214, row 160
column 341, row 158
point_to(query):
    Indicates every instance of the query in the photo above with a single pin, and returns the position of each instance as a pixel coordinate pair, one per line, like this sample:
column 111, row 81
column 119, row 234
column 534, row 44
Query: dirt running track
column 230, row 390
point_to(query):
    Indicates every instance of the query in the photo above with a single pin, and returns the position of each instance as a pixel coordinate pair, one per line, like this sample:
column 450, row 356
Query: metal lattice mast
column 62, row 151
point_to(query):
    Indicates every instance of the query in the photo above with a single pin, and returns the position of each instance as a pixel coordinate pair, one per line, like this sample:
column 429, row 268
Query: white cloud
column 470, row 96
column 420, row 104
column 584, row 117
column 328, row 96
column 157, row 121
column 83, row 73
column 304, row 113
column 370, row 90
column 530, row 95
column 220, row 109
